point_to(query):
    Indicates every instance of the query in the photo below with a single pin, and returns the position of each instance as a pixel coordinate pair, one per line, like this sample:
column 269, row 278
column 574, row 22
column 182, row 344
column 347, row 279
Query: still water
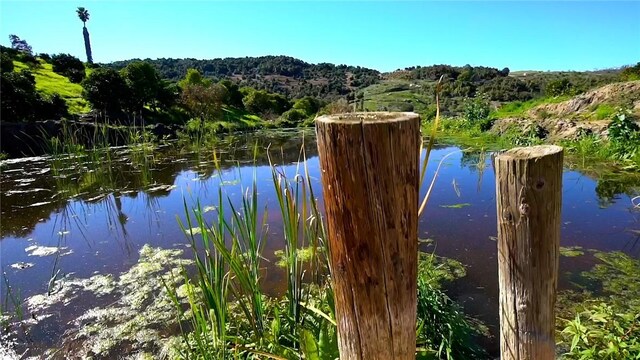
column 91, row 214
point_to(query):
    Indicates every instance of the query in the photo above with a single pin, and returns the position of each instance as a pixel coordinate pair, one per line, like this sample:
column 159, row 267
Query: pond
column 92, row 213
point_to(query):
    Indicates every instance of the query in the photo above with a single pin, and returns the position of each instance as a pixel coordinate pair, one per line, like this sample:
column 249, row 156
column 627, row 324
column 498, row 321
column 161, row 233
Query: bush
column 46, row 57
column 28, row 59
column 623, row 128
column 559, row 87
column 292, row 118
column 476, row 109
column 21, row 101
column 442, row 324
column 308, row 104
column 69, row 66
column 6, row 64
column 630, row 73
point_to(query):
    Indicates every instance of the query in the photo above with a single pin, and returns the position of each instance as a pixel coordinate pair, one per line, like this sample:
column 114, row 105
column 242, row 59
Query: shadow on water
column 92, row 214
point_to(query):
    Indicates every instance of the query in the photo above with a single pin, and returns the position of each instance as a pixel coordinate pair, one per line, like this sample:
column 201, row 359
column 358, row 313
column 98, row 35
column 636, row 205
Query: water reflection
column 99, row 210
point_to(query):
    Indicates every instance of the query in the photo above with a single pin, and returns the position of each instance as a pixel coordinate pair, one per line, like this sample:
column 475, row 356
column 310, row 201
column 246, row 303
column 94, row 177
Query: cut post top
column 531, row 152
column 366, row 118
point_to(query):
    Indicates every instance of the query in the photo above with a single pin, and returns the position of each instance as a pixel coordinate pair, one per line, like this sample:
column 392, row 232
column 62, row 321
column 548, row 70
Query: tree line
column 138, row 91
column 284, row 75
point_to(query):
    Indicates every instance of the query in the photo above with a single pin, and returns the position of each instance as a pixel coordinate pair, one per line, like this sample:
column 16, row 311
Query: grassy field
column 50, row 83
column 397, row 95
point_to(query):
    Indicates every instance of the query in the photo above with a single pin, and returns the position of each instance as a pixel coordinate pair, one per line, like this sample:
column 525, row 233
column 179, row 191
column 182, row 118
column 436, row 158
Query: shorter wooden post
column 370, row 175
column 529, row 198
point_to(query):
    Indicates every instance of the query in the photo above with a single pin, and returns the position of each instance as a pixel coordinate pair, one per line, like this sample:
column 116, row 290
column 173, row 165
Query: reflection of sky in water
column 105, row 235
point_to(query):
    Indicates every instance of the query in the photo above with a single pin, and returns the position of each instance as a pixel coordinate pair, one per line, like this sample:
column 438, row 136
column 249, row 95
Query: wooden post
column 370, row 175
column 529, row 196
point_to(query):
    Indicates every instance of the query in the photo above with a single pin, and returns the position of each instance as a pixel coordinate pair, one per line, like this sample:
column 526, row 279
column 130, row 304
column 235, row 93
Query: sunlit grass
column 50, row 83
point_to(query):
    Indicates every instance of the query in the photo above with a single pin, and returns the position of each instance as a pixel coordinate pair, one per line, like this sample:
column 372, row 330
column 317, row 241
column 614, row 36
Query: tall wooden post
column 370, row 175
column 529, row 196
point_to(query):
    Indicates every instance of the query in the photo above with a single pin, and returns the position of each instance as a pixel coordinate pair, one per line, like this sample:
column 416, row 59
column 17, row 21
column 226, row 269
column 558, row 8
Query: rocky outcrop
column 572, row 118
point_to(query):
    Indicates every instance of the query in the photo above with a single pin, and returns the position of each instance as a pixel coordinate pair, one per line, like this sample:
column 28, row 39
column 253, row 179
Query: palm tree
column 83, row 14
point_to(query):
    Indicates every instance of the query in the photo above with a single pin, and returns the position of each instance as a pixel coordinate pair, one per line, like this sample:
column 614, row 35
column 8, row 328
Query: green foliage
column 630, row 73
column 559, row 87
column 204, row 102
column 442, row 325
column 21, row 101
column 194, row 77
column 623, row 129
column 6, row 63
column 308, row 105
column 292, row 118
column 106, row 91
column 604, row 111
column 476, row 109
column 145, row 85
column 264, row 103
column 234, row 95
column 284, row 75
column 607, row 326
column 602, row 332
column 69, row 66
column 50, row 84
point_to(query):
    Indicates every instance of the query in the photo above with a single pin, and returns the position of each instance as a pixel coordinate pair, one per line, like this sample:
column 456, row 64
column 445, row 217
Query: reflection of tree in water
column 475, row 161
column 609, row 187
column 104, row 178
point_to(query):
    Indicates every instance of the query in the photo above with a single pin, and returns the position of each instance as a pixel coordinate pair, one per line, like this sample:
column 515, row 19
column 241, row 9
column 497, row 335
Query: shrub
column 631, row 73
column 46, row 57
column 69, row 66
column 623, row 129
column 308, row 104
column 292, row 118
column 476, row 109
column 6, row 64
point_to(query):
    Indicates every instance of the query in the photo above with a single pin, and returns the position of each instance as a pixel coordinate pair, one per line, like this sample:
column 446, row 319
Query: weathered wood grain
column 370, row 175
column 529, row 199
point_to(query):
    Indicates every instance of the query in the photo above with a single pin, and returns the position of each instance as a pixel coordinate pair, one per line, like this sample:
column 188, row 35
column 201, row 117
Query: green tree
column 144, row 83
column 308, row 104
column 194, row 77
column 630, row 73
column 258, row 102
column 235, row 96
column 83, row 15
column 204, row 102
column 69, row 66
column 6, row 64
column 476, row 109
column 21, row 101
column 559, row 87
column 106, row 91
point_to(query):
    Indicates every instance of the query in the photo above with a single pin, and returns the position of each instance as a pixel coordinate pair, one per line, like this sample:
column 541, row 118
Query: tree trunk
column 370, row 175
column 87, row 44
column 529, row 196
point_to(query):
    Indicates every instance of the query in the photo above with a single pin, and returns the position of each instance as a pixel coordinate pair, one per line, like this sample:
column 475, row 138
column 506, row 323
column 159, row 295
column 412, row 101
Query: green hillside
column 49, row 83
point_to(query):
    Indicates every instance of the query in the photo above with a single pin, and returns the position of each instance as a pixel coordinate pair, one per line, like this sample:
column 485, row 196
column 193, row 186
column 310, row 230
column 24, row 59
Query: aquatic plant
column 604, row 324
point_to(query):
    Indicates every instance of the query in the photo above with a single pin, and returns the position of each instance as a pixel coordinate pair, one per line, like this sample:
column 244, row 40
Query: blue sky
column 381, row 35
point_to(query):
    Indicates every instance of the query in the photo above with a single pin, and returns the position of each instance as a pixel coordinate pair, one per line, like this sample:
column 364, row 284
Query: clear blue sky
column 380, row 35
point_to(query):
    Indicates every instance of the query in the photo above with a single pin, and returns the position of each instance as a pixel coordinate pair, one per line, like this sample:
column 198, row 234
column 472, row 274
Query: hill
column 567, row 118
column 285, row 75
column 50, row 83
column 412, row 89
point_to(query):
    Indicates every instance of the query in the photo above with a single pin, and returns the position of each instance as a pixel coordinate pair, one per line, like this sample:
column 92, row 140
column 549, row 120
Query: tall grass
column 226, row 313
column 229, row 315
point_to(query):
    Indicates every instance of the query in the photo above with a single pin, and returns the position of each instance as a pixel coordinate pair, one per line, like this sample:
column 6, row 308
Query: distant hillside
column 587, row 113
column 281, row 74
column 412, row 89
